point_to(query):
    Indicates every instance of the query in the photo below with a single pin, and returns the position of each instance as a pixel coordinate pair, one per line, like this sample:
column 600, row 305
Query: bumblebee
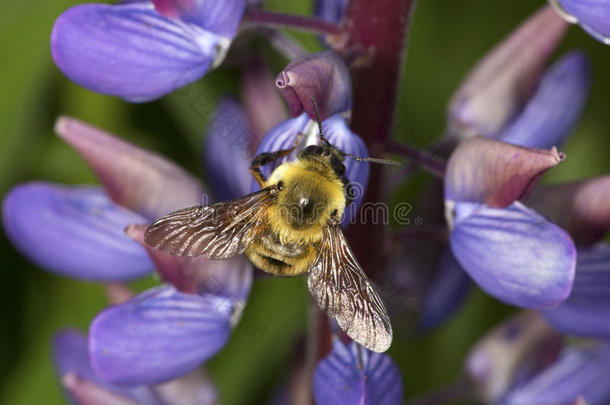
column 292, row 226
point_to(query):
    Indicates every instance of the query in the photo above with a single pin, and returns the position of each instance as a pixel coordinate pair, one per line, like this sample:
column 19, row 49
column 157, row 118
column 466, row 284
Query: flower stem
column 269, row 19
column 431, row 163
column 376, row 29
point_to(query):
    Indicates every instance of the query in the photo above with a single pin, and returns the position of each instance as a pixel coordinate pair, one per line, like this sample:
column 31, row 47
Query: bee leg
column 263, row 159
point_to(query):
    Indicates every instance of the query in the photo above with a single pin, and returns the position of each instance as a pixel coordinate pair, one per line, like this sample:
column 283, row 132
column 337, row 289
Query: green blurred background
column 447, row 38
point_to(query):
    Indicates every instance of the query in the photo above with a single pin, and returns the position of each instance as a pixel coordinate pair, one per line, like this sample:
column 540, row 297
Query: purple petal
column 331, row 10
column 586, row 312
column 226, row 153
column 445, row 293
column 336, row 130
column 495, row 173
column 592, row 15
column 230, row 278
column 503, row 80
column 133, row 177
column 556, row 106
column 518, row 347
column 220, row 17
column 582, row 208
column 283, row 136
column 130, row 50
column 71, row 355
column 158, row 335
column 74, row 231
column 581, row 371
column 321, row 75
column 514, row 254
column 84, row 392
column 354, row 375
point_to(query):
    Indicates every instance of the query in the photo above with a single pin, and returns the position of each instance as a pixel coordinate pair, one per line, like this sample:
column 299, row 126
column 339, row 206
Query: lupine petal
column 194, row 388
column 580, row 371
column 498, row 86
column 135, row 178
column 71, row 355
column 335, row 129
column 321, row 75
column 331, row 10
column 487, row 171
column 592, row 15
column 220, row 17
column 582, row 208
column 283, row 136
column 340, row 378
column 230, row 278
column 445, row 293
column 227, row 151
column 74, row 231
column 84, row 392
column 523, row 342
column 586, row 312
column 130, row 50
column 514, row 254
column 555, row 107
column 158, row 335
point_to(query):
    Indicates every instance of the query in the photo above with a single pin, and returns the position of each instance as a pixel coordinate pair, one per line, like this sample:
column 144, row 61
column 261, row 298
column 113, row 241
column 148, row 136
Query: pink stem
column 425, row 160
column 269, row 19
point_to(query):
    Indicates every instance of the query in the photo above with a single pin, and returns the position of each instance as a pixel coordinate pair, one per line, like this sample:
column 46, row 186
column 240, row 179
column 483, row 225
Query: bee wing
column 216, row 231
column 342, row 289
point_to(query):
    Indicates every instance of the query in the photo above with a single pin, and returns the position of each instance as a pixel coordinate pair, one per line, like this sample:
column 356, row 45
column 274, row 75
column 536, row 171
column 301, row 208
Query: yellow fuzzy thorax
column 313, row 179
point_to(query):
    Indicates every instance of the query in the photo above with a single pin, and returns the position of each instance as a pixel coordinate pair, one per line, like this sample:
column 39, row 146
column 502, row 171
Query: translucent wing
column 342, row 289
column 216, row 231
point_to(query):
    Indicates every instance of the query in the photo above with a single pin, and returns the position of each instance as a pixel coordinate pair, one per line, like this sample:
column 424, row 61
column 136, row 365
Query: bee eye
column 334, row 213
column 280, row 185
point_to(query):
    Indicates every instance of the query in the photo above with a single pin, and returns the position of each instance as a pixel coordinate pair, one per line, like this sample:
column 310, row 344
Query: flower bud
column 497, row 87
column 351, row 374
column 133, row 177
column 323, row 76
column 495, row 173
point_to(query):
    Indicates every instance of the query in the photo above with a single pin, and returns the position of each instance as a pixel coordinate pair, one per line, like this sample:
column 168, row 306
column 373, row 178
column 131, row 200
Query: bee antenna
column 315, row 108
column 374, row 160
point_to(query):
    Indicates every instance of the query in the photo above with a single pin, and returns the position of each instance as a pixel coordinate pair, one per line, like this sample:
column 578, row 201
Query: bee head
column 307, row 200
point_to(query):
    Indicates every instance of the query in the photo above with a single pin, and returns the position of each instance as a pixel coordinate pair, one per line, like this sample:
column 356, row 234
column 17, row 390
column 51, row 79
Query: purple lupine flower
column 552, row 112
column 142, row 50
column 324, row 76
column 513, row 351
column 586, row 312
column 579, row 372
column 592, row 16
column 497, row 87
column 510, row 250
column 351, row 374
column 227, row 151
column 150, row 186
column 84, row 387
column 74, row 231
column 88, row 223
column 338, row 134
column 135, row 342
